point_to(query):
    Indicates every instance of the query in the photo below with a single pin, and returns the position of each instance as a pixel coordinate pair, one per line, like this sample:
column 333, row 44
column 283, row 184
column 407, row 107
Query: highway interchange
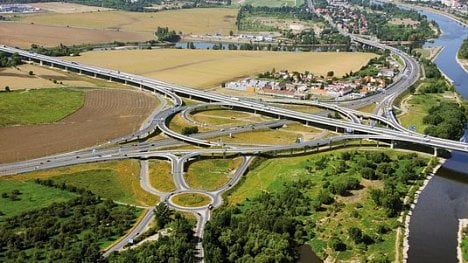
column 352, row 124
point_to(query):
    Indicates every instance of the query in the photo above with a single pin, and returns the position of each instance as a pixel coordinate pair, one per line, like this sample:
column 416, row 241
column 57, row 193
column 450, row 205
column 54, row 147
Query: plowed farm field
column 106, row 114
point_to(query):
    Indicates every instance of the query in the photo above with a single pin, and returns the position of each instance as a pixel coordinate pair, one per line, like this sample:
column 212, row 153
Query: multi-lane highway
column 171, row 90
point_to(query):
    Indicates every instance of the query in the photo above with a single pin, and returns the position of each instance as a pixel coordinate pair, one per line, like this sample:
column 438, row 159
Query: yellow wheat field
column 209, row 68
column 196, row 21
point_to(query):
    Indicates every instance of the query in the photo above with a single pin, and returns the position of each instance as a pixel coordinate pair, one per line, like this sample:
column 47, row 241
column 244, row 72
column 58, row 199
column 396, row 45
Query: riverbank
column 463, row 63
column 413, row 205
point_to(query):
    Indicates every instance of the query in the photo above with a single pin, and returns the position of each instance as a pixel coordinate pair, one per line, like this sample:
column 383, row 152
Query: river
column 434, row 222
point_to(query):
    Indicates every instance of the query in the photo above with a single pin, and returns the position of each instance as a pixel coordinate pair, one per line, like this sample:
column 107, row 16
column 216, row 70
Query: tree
column 356, row 234
column 336, row 244
column 189, row 130
column 330, row 73
column 7, row 88
column 162, row 214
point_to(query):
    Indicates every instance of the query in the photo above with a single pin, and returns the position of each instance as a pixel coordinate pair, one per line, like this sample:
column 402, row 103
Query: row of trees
column 7, row 60
column 57, row 51
column 70, row 231
column 136, row 6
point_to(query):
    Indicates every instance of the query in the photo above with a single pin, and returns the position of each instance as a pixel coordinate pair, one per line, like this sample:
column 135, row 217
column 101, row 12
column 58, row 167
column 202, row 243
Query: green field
column 191, row 200
column 211, row 174
column 117, row 180
column 38, row 106
column 355, row 209
column 32, row 196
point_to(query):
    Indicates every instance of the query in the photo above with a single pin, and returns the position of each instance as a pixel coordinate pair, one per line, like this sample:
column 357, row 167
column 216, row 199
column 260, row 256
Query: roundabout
column 190, row 200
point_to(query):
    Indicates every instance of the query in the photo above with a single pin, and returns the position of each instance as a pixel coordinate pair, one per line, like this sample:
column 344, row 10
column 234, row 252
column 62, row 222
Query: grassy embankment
column 287, row 134
column 160, row 175
column 464, row 245
column 211, row 174
column 117, row 180
column 355, row 209
column 38, row 106
column 227, row 117
column 191, row 199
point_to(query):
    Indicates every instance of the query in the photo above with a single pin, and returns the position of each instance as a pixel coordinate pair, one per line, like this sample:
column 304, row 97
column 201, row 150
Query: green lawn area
column 32, row 196
column 227, row 117
column 418, row 106
column 211, row 174
column 177, row 123
column 160, row 175
column 368, row 108
column 268, row 137
column 191, row 199
column 117, row 180
column 38, row 106
column 355, row 209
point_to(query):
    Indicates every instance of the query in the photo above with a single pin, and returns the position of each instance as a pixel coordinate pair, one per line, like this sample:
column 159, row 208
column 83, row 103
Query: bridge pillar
column 94, row 75
column 40, row 62
column 435, row 151
column 125, row 82
column 336, row 129
column 378, row 144
column 110, row 79
column 307, row 123
column 51, row 65
column 392, row 144
column 79, row 72
column 66, row 68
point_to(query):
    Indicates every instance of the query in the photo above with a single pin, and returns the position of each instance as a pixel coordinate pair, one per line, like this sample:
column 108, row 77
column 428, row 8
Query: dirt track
column 106, row 114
